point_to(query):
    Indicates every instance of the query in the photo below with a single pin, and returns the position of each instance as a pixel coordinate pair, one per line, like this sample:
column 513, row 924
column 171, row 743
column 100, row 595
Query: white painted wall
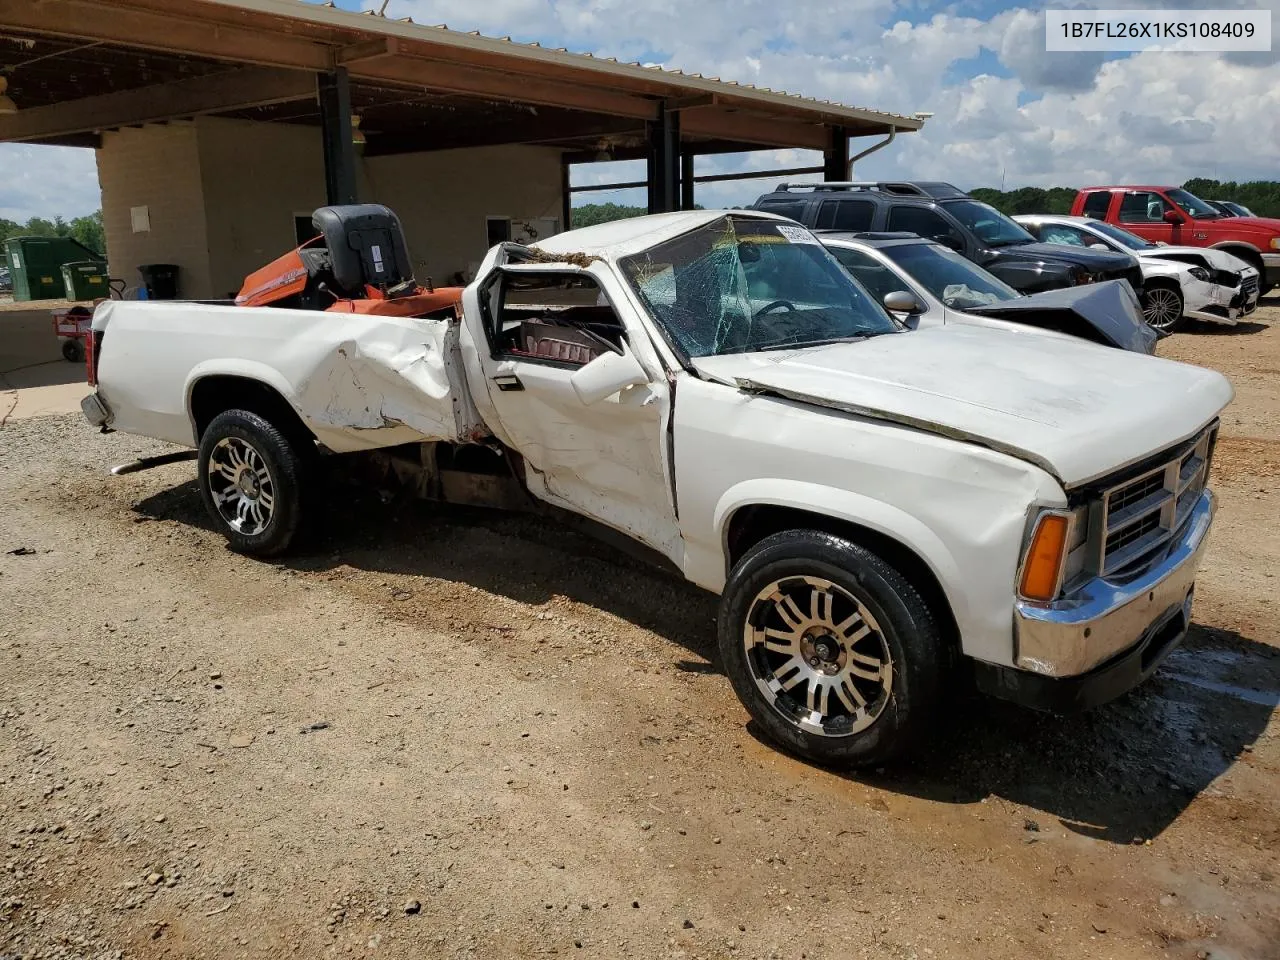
column 444, row 197
column 222, row 195
column 156, row 167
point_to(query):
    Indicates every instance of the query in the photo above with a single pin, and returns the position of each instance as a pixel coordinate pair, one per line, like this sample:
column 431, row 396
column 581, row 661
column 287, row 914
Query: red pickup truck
column 1172, row 215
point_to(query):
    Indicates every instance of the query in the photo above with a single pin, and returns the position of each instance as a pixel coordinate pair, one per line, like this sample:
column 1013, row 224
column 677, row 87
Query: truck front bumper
column 1109, row 636
column 1270, row 270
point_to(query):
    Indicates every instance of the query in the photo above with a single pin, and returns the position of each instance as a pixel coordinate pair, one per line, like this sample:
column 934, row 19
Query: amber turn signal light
column 1045, row 556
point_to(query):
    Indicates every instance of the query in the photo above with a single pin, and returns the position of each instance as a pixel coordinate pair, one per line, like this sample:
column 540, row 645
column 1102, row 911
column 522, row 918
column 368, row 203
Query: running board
column 146, row 463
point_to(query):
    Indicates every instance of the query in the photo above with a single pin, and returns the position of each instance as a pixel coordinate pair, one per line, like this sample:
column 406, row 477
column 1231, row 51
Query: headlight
column 1200, row 273
column 1275, row 243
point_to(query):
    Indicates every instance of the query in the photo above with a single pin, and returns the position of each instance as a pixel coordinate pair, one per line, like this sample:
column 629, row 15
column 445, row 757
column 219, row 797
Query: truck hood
column 1095, row 261
column 1077, row 410
column 1268, row 226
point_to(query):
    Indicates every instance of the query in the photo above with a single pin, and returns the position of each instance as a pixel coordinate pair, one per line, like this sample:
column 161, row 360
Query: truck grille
column 1142, row 514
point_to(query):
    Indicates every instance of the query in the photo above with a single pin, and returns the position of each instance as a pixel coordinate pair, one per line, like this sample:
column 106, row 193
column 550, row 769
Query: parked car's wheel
column 1162, row 306
column 252, row 481
column 73, row 350
column 832, row 650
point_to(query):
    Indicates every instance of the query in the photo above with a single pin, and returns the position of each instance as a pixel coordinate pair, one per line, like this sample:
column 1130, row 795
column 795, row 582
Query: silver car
column 927, row 284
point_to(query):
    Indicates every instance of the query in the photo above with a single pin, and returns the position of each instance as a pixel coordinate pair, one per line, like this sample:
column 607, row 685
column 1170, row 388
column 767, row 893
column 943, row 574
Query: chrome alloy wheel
column 241, row 485
column 1163, row 309
column 818, row 656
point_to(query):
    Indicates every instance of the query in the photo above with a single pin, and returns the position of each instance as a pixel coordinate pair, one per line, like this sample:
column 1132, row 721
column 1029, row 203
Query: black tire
column 1163, row 306
column 286, row 473
column 906, row 628
column 73, row 350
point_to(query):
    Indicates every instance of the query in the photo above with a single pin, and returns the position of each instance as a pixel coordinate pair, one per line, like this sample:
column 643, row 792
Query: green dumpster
column 85, row 280
column 35, row 264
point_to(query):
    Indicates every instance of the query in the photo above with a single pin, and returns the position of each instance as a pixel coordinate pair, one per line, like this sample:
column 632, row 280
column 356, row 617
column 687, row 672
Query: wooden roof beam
column 166, row 32
column 501, row 85
column 768, row 132
column 237, row 89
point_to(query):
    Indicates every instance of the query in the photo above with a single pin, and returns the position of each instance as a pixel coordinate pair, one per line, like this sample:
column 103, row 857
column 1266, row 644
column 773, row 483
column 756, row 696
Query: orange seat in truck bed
column 413, row 305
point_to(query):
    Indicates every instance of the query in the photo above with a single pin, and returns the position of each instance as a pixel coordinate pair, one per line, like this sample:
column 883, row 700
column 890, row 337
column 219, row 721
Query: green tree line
column 88, row 230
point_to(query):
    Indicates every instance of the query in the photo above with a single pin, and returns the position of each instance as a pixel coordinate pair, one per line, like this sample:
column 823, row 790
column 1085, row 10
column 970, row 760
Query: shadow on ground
column 1121, row 773
column 1243, row 328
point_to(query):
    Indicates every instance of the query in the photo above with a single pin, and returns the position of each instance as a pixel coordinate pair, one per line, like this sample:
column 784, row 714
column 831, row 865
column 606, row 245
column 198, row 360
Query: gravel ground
column 447, row 733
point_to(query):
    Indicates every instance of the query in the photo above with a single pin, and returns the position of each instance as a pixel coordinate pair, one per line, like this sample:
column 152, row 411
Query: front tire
column 1162, row 307
column 831, row 649
column 253, row 482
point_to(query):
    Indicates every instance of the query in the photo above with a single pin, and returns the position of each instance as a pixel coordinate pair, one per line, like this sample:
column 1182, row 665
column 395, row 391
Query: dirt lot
column 453, row 734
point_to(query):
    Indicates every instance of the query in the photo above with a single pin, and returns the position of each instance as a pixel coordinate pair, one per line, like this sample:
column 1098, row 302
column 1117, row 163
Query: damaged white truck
column 883, row 512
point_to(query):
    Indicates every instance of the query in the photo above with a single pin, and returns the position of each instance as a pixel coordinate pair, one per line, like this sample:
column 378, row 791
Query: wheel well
column 1162, row 282
column 751, row 524
column 213, row 395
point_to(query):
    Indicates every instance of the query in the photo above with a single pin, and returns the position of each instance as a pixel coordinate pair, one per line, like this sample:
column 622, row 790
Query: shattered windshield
column 957, row 282
column 740, row 284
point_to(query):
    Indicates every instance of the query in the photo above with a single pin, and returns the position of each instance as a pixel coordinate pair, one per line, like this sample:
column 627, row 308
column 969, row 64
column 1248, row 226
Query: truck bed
column 358, row 381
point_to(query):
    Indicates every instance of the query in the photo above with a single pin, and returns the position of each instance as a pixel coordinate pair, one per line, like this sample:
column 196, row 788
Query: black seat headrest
column 367, row 245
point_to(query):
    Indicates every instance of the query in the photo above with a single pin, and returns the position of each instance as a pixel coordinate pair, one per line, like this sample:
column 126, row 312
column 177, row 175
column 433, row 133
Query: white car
column 928, row 284
column 885, row 514
column 1179, row 283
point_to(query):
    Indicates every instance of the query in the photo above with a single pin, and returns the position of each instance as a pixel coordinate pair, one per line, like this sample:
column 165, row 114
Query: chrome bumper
column 1270, row 268
column 1104, row 617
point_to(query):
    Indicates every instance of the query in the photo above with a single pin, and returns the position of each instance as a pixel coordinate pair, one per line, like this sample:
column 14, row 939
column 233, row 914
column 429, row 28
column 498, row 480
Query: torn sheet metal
column 389, row 375
column 1103, row 312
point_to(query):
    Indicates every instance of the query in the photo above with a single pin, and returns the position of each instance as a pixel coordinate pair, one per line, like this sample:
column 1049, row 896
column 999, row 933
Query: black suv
column 951, row 217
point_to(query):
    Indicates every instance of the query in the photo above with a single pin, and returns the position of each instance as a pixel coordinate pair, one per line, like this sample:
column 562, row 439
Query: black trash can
column 161, row 280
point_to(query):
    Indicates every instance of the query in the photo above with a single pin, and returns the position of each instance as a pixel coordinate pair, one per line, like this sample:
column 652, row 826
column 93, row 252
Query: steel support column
column 334, row 93
column 664, row 161
column 835, row 159
column 686, row 180
column 566, row 195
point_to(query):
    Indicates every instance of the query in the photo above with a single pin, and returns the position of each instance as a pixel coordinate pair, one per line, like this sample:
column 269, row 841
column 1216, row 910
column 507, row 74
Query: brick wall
column 156, row 167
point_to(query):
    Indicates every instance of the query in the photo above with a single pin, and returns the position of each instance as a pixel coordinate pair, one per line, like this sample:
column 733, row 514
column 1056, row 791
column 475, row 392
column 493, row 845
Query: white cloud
column 1031, row 117
column 47, row 182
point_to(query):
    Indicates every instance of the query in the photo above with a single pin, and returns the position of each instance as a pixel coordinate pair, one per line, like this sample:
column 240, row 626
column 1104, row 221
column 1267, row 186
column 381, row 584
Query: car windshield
column 739, row 284
column 991, row 226
column 1130, row 240
column 1240, row 210
column 1197, row 208
column 957, row 282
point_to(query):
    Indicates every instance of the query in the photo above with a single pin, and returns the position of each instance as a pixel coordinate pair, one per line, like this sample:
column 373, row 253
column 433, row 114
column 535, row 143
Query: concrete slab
column 41, row 401
column 34, row 378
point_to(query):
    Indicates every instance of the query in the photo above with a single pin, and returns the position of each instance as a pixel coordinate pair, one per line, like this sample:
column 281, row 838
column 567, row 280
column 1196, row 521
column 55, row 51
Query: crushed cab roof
column 621, row 238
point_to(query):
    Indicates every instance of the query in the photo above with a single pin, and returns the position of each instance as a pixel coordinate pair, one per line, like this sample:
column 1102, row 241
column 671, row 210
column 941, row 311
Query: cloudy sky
column 1005, row 110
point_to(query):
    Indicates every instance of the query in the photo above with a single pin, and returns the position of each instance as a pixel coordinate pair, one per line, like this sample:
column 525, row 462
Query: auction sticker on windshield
column 796, row 234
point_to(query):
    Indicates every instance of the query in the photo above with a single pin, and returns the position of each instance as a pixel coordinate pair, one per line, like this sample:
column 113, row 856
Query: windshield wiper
column 801, row 344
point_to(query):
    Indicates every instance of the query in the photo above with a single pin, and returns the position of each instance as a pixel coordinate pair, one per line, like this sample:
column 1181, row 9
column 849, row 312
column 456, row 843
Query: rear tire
column 253, row 482
column 834, row 653
column 73, row 351
column 1162, row 308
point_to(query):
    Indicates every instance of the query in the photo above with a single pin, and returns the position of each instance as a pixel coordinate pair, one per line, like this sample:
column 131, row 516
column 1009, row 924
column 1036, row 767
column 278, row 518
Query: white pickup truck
column 883, row 512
